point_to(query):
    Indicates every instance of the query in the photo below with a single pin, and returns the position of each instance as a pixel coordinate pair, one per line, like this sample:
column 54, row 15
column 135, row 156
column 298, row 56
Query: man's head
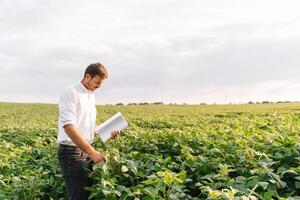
column 95, row 74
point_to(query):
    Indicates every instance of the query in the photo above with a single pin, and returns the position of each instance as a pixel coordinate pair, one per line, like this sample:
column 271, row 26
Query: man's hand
column 97, row 157
column 77, row 138
column 115, row 134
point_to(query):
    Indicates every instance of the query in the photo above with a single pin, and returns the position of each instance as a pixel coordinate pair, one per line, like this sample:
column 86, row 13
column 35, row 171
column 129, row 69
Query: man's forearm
column 76, row 137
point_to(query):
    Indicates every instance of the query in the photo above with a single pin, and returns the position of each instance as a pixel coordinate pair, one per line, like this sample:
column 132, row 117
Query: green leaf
column 297, row 184
column 240, row 179
column 264, row 185
column 289, row 172
column 282, row 184
column 150, row 181
column 182, row 175
column 268, row 195
column 117, row 193
column 281, row 170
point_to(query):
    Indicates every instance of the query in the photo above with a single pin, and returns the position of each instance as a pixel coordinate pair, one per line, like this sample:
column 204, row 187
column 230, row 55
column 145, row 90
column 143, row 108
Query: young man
column 76, row 124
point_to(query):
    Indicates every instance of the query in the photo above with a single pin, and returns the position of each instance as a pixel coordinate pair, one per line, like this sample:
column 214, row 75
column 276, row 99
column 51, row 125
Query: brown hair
column 95, row 69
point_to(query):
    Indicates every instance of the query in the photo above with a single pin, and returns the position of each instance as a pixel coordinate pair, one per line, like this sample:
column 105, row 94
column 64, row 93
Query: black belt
column 70, row 146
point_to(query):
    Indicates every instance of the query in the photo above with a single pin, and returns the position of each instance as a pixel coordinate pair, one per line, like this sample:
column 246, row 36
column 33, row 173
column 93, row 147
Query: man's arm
column 77, row 138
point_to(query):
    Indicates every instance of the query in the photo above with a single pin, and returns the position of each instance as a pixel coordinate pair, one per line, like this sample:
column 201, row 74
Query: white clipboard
column 115, row 123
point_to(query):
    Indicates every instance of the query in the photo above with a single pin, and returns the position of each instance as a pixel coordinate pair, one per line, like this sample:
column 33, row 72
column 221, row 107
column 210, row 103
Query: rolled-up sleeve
column 67, row 108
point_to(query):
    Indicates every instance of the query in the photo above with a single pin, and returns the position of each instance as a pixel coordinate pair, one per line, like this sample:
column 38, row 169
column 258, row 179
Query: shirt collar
column 83, row 88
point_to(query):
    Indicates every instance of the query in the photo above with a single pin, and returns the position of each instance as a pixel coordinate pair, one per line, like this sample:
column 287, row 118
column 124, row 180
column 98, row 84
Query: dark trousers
column 76, row 166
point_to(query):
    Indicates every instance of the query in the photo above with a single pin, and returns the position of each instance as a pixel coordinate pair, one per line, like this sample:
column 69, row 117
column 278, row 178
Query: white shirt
column 77, row 107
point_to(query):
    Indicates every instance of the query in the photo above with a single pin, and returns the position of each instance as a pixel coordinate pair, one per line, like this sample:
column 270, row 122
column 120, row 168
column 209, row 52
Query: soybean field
column 168, row 152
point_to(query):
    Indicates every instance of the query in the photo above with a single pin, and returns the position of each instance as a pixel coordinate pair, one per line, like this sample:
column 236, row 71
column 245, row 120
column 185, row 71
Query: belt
column 71, row 146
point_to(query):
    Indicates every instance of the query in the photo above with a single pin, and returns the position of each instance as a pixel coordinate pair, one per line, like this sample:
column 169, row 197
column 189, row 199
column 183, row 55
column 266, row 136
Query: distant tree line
column 202, row 104
column 269, row 102
column 141, row 103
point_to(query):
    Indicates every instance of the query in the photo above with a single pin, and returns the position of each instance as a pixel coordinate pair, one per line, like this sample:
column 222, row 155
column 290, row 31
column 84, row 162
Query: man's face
column 94, row 83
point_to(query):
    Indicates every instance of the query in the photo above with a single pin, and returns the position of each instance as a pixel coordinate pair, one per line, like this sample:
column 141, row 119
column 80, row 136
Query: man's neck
column 84, row 84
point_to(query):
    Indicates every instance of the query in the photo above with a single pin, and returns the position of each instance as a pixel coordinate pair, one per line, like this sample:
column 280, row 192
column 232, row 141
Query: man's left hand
column 115, row 134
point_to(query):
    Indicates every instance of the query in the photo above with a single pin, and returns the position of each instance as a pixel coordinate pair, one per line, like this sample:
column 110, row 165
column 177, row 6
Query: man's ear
column 88, row 76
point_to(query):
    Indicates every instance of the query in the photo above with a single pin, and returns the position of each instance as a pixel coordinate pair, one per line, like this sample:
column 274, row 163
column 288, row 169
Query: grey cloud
column 244, row 62
column 214, row 63
column 153, row 50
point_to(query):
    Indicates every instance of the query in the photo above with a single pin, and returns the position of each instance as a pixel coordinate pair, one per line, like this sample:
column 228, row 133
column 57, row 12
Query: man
column 76, row 124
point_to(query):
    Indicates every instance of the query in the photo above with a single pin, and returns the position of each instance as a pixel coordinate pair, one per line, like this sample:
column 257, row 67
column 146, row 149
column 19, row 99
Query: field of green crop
column 169, row 152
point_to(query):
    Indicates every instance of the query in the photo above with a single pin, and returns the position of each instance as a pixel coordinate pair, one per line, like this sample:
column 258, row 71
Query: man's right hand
column 97, row 157
column 74, row 133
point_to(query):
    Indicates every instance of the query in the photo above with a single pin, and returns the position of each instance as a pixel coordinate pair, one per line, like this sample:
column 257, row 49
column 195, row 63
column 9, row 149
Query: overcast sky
column 172, row 50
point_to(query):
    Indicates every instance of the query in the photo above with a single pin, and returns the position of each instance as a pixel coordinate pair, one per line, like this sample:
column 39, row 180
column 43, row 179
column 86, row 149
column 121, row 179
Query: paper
column 115, row 123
